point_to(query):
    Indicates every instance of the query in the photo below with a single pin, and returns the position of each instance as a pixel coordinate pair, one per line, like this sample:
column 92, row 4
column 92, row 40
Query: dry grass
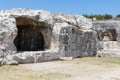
column 98, row 61
column 20, row 73
column 116, row 19
column 60, row 70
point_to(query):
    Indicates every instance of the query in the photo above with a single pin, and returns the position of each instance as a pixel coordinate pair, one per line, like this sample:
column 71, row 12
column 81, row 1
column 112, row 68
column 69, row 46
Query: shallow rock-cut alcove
column 30, row 36
column 108, row 35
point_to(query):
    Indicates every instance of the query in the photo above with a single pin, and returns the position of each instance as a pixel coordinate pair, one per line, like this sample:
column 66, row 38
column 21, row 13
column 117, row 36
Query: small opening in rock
column 73, row 31
column 29, row 36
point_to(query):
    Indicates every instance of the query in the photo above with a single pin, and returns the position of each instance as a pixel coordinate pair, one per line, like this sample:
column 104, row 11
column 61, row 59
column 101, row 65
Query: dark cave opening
column 29, row 38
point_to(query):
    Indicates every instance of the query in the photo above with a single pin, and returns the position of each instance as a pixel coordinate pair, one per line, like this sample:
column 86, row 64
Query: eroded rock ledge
column 28, row 36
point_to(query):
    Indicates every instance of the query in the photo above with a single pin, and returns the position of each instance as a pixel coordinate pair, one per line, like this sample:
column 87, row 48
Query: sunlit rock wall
column 109, row 38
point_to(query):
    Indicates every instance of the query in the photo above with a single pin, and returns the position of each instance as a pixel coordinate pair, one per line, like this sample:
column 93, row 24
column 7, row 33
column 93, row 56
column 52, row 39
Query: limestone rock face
column 28, row 36
column 66, row 58
column 109, row 38
column 108, row 53
column 13, row 63
column 0, row 61
column 75, row 20
column 76, row 43
column 27, row 30
column 8, row 32
column 33, row 57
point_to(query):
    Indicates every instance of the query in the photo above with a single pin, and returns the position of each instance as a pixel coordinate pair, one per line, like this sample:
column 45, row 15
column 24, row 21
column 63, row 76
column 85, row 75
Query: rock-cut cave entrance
column 29, row 36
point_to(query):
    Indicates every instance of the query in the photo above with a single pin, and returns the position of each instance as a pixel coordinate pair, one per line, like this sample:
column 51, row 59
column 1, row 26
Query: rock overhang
column 47, row 17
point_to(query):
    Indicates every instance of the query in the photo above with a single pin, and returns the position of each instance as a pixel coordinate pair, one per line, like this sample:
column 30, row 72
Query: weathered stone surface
column 8, row 32
column 108, row 26
column 34, row 56
column 108, row 53
column 0, row 61
column 109, row 39
column 12, row 63
column 40, row 35
column 75, row 20
column 77, row 43
column 66, row 58
column 4, row 61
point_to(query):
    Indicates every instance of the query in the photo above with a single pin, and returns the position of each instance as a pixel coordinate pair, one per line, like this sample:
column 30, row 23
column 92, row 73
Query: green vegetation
column 118, row 15
column 103, row 17
column 99, row 16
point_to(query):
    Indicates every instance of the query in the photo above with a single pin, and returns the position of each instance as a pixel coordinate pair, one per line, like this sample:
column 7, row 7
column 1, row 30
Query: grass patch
column 75, row 67
column 19, row 73
column 102, row 61
column 111, row 62
column 96, row 60
column 115, row 78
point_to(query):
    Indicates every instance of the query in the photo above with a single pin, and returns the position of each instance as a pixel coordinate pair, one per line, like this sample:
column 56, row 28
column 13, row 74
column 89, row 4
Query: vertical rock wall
column 8, row 32
column 64, row 34
column 77, row 43
column 109, row 38
column 72, row 41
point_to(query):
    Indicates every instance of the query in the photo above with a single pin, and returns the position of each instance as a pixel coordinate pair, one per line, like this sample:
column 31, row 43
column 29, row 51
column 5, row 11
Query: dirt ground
column 81, row 68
